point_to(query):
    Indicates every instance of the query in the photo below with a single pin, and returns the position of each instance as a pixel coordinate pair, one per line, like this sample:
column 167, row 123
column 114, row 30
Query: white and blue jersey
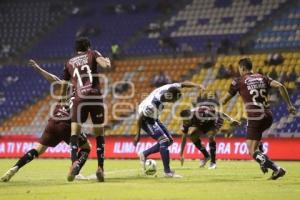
column 151, row 107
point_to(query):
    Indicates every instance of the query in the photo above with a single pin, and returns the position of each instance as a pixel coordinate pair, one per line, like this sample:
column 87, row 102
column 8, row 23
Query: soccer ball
column 150, row 167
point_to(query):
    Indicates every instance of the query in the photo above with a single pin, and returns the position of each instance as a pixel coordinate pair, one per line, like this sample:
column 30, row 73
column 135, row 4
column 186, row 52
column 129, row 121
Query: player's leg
column 155, row 148
column 85, row 149
column 25, row 159
column 157, row 131
column 212, row 149
column 253, row 141
column 75, row 131
column 97, row 113
column 165, row 140
column 79, row 116
column 261, row 147
column 195, row 138
column 100, row 146
column 149, row 129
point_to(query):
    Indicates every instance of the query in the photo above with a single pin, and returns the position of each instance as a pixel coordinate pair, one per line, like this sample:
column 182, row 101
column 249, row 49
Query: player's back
column 254, row 89
column 204, row 118
column 204, row 115
column 152, row 106
column 82, row 71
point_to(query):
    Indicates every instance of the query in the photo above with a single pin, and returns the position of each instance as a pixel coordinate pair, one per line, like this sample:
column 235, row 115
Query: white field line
column 135, row 171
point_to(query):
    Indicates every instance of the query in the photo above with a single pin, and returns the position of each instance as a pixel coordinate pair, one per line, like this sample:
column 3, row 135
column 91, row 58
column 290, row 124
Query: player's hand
column 181, row 160
column 33, row 64
column 235, row 123
column 107, row 62
column 201, row 87
column 292, row 110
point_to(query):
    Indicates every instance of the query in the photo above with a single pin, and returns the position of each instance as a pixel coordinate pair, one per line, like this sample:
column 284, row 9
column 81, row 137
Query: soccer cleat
column 212, row 166
column 171, row 174
column 276, row 174
column 204, row 161
column 74, row 170
column 100, row 174
column 80, row 177
column 142, row 159
column 9, row 174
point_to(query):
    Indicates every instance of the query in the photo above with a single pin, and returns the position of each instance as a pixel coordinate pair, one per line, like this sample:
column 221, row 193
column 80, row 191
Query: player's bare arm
column 233, row 122
column 103, row 62
column 139, row 126
column 284, row 93
column 63, row 91
column 188, row 84
column 48, row 76
column 227, row 98
column 182, row 146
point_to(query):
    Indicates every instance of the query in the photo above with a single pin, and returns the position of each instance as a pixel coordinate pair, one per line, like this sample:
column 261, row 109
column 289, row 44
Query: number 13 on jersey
column 78, row 74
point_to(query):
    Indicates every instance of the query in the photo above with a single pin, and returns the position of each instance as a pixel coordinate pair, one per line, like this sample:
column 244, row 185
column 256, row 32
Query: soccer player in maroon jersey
column 203, row 120
column 83, row 72
column 254, row 89
column 57, row 130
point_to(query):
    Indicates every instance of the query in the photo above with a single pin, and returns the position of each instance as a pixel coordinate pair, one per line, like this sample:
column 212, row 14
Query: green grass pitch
column 232, row 180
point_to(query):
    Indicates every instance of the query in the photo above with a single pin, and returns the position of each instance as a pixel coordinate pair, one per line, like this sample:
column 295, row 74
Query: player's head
column 171, row 95
column 82, row 44
column 245, row 66
column 185, row 113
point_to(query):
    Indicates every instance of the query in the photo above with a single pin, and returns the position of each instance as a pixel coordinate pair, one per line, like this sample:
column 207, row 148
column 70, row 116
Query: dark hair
column 82, row 44
column 246, row 63
column 185, row 113
column 176, row 93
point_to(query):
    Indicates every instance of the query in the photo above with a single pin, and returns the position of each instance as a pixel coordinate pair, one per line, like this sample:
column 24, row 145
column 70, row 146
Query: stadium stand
column 283, row 33
column 111, row 27
column 205, row 20
column 24, row 95
column 23, row 21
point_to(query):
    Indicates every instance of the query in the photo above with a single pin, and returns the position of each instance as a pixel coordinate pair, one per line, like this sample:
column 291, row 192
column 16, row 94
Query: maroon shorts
column 58, row 131
column 255, row 128
column 83, row 107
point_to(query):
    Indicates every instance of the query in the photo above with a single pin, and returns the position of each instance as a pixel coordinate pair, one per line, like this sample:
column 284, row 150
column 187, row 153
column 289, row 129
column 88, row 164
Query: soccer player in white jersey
column 148, row 121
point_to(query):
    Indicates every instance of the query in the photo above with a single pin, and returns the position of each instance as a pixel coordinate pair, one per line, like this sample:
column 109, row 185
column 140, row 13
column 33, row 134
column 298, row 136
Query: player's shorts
column 255, row 128
column 83, row 107
column 58, row 131
column 155, row 129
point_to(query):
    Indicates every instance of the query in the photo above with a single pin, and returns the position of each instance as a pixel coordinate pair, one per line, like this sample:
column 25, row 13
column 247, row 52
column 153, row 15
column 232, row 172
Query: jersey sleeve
column 268, row 81
column 97, row 54
column 234, row 87
column 67, row 75
column 177, row 85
